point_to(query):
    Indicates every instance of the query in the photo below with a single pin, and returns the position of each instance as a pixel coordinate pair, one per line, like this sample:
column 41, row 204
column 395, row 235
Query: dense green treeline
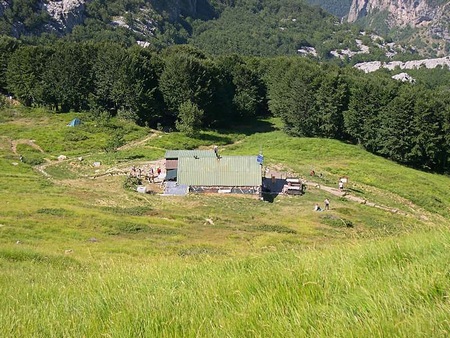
column 146, row 86
column 183, row 87
column 408, row 123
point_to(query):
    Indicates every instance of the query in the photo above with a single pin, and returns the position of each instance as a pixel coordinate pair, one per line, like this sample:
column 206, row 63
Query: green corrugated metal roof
column 229, row 171
column 189, row 153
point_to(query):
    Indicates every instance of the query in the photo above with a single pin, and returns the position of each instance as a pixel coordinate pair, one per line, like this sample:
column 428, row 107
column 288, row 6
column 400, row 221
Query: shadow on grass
column 214, row 138
column 268, row 197
column 133, row 157
column 354, row 190
column 252, row 127
column 272, row 188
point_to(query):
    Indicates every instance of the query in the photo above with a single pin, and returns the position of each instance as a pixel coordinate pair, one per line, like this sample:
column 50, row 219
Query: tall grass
column 395, row 287
column 84, row 257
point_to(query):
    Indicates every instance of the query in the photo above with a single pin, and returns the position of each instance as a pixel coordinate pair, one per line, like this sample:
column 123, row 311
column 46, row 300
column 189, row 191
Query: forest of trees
column 245, row 27
column 182, row 87
column 151, row 86
column 339, row 8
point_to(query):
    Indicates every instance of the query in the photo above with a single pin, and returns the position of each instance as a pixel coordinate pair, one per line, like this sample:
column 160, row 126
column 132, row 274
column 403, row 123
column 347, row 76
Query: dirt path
column 345, row 194
column 41, row 168
column 31, row 143
column 138, row 142
column 280, row 172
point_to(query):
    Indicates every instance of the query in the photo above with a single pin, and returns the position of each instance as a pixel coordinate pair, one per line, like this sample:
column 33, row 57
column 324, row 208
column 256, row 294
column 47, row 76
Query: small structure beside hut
column 293, row 186
column 207, row 171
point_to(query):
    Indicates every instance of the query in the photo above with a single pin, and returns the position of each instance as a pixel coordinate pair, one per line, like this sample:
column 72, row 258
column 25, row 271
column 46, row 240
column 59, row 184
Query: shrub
column 189, row 119
column 132, row 183
column 33, row 159
column 335, row 221
column 132, row 211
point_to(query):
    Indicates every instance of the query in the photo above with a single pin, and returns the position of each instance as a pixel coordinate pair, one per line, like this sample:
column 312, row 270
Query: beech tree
column 189, row 118
column 369, row 95
column 7, row 47
column 24, row 74
column 187, row 78
column 68, row 76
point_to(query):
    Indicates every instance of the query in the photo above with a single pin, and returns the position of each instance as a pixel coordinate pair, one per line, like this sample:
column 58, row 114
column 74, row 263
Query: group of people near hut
column 148, row 174
column 326, row 207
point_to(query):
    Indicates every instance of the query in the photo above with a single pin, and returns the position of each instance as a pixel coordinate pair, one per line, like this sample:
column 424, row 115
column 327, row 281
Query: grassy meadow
column 85, row 257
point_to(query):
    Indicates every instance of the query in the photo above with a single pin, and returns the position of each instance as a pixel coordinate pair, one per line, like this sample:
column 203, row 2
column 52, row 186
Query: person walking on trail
column 341, row 185
column 327, row 204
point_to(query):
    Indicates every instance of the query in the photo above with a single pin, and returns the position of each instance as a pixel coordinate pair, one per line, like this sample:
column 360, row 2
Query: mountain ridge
column 415, row 23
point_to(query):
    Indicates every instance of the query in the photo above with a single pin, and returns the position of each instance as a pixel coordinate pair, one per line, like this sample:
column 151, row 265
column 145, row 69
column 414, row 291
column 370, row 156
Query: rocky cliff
column 400, row 12
column 429, row 18
column 66, row 14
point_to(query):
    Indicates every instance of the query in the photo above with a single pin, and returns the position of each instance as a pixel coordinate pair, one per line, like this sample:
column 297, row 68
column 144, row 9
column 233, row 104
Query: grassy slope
column 156, row 268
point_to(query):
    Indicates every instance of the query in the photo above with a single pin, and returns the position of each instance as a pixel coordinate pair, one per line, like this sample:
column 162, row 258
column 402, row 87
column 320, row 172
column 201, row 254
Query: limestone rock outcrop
column 400, row 12
column 66, row 14
column 372, row 66
column 426, row 15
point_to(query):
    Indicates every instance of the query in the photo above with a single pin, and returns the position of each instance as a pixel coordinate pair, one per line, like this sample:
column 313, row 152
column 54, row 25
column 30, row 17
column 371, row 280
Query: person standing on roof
column 216, row 151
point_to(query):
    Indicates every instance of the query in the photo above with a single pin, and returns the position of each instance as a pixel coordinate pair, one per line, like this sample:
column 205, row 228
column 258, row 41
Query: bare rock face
column 66, row 13
column 401, row 12
column 425, row 15
column 372, row 66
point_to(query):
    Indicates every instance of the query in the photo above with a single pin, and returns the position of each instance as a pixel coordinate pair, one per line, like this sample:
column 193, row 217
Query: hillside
column 263, row 28
column 94, row 258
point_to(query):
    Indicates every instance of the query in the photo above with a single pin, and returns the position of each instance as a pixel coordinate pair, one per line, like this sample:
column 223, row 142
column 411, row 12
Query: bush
column 33, row 159
column 3, row 102
column 54, row 211
column 189, row 119
column 101, row 117
column 132, row 183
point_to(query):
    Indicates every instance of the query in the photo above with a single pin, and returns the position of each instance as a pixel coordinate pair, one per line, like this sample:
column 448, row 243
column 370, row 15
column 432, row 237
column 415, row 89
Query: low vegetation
column 88, row 257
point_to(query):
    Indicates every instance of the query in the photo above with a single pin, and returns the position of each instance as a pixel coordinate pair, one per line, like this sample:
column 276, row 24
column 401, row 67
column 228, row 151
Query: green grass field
column 85, row 257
